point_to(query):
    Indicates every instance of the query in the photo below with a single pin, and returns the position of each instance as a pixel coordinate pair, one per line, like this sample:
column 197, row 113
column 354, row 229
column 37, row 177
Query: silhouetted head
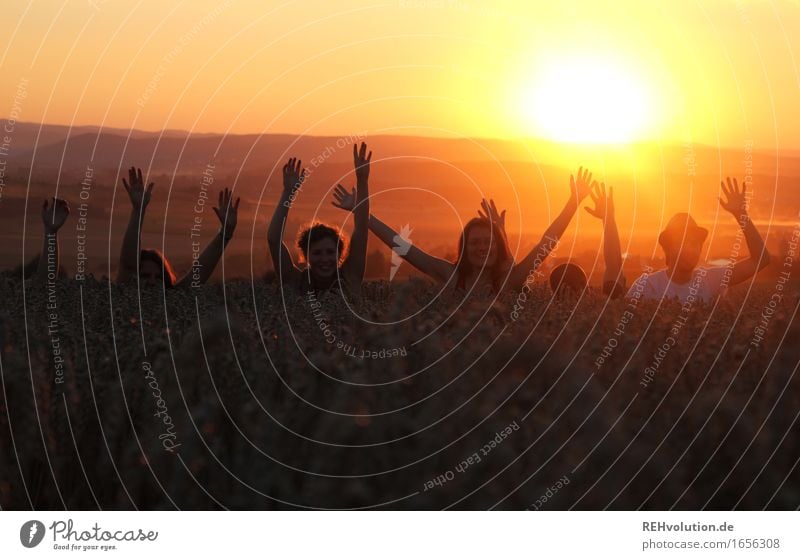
column 682, row 241
column 323, row 249
column 153, row 265
column 567, row 278
column 482, row 246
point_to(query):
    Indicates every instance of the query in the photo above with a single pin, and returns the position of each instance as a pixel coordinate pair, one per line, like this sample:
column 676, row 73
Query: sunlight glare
column 586, row 100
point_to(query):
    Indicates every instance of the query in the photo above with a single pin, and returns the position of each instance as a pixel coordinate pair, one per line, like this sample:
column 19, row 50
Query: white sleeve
column 714, row 277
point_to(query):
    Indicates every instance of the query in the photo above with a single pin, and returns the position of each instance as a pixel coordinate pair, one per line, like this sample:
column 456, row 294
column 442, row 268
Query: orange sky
column 716, row 72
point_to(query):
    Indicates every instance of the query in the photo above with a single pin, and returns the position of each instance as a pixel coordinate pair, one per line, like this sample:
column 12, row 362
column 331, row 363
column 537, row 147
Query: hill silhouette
column 432, row 184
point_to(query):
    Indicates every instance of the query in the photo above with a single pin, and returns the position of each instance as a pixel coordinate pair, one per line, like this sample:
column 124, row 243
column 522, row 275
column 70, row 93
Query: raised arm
column 736, row 204
column 53, row 218
column 293, row 177
column 612, row 253
column 436, row 268
column 579, row 189
column 140, row 198
column 356, row 262
column 227, row 211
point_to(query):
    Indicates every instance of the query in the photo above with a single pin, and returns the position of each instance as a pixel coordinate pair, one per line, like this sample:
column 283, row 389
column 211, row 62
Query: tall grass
column 270, row 412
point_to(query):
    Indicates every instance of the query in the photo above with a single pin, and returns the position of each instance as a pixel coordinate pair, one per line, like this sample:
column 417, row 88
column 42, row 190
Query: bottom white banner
column 398, row 535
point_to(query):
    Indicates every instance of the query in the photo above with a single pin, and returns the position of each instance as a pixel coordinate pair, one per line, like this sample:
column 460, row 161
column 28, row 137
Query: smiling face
column 481, row 247
column 323, row 257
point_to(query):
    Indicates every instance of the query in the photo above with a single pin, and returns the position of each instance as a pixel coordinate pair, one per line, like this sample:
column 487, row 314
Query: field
column 240, row 396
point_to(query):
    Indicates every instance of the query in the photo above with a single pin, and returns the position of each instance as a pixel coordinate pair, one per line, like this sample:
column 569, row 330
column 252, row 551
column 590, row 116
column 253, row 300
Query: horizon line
column 513, row 139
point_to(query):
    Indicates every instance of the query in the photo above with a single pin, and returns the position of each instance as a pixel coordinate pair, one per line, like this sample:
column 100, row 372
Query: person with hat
column 682, row 241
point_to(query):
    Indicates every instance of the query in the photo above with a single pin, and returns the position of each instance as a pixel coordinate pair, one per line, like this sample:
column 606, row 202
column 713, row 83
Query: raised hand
column 582, row 186
column 293, row 175
column 361, row 162
column 603, row 202
column 55, row 215
column 344, row 199
column 227, row 211
column 140, row 197
column 489, row 212
column 736, row 199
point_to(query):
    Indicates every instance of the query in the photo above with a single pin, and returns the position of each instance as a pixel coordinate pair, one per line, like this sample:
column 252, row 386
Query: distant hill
column 432, row 184
column 163, row 152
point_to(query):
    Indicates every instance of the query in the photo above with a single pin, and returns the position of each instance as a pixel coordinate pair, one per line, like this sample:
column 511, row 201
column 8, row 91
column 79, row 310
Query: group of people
column 484, row 262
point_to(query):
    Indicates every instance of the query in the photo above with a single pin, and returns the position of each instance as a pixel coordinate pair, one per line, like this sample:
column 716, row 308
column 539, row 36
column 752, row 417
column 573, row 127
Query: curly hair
column 318, row 231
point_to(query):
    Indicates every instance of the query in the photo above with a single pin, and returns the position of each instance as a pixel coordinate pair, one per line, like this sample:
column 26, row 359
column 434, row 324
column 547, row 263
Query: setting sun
column 587, row 100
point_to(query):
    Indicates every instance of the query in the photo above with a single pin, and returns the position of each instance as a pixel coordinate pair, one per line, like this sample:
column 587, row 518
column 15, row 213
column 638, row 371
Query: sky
column 716, row 72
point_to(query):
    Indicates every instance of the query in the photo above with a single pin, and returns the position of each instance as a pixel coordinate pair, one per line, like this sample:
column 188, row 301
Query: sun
column 587, row 99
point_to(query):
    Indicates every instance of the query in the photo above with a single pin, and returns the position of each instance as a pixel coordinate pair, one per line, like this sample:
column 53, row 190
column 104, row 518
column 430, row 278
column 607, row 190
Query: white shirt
column 706, row 284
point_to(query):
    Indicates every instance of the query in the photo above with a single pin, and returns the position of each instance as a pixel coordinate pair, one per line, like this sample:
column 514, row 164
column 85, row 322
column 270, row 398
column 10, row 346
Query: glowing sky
column 715, row 71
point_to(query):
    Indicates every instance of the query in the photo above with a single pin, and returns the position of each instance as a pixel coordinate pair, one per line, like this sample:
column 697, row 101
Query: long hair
column 498, row 269
column 157, row 257
column 317, row 231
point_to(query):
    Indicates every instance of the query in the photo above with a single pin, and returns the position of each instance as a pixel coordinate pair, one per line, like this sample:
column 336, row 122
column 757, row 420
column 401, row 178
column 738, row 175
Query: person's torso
column 699, row 287
column 309, row 282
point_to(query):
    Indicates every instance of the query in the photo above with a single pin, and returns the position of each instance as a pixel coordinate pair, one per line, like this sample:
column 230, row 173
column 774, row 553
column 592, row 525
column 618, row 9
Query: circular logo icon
column 31, row 534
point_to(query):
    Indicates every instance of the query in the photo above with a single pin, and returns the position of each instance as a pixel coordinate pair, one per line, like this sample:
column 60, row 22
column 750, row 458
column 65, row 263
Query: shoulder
column 347, row 279
column 289, row 275
column 646, row 283
column 649, row 278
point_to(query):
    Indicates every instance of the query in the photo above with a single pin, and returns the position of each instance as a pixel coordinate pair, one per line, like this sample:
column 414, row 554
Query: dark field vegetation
column 400, row 400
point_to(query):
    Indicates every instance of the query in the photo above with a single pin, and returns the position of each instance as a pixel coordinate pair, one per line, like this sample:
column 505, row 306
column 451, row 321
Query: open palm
column 361, row 162
column 55, row 215
column 344, row 199
column 293, row 175
column 582, row 185
column 489, row 212
column 139, row 195
column 603, row 202
column 227, row 211
column 735, row 198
